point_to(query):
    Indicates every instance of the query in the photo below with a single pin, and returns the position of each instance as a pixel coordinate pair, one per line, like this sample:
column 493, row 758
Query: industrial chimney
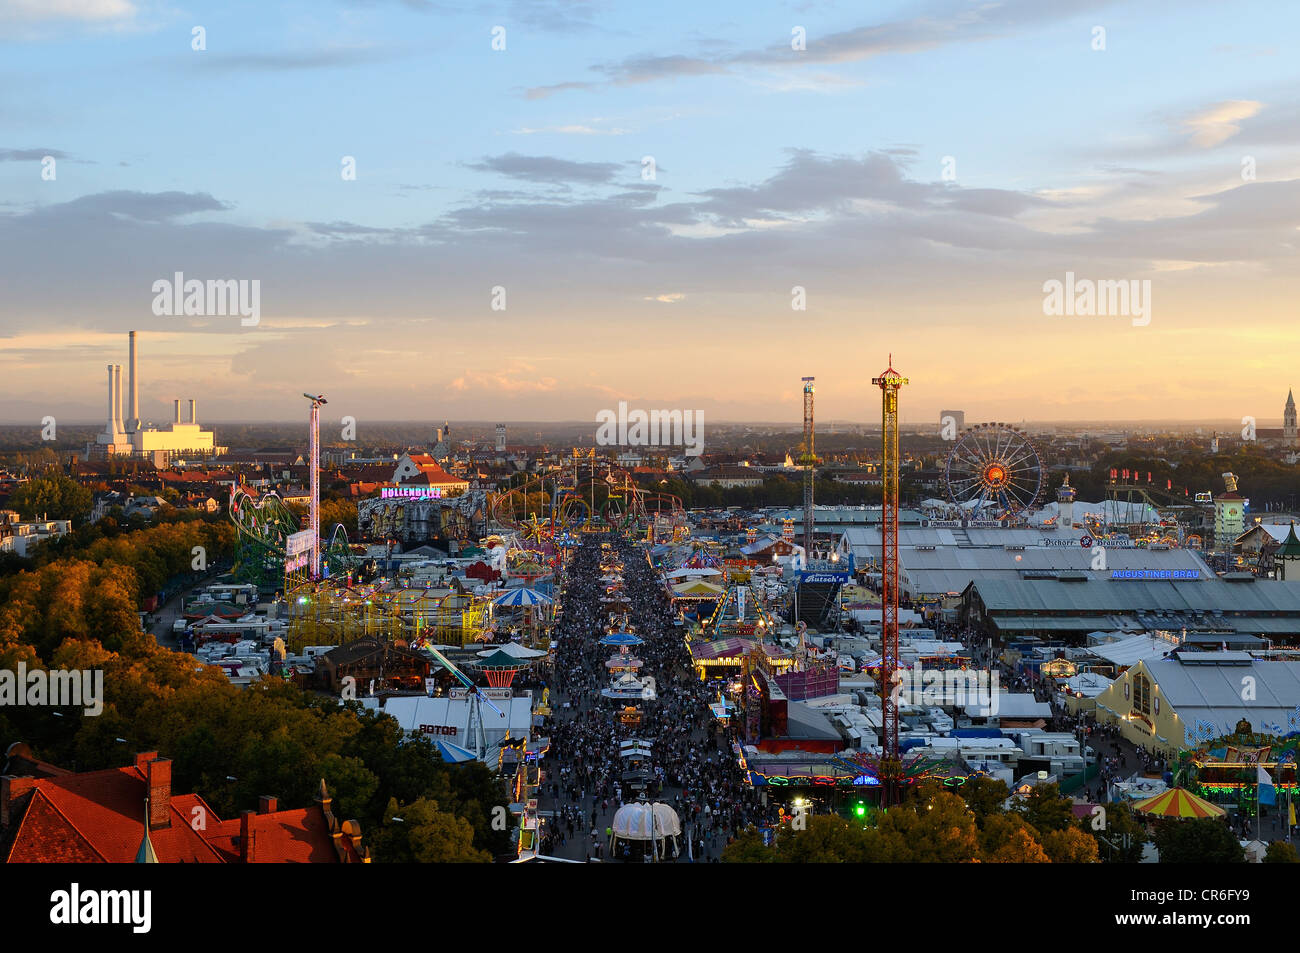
column 117, row 398
column 111, row 402
column 133, row 388
column 193, row 419
column 176, row 411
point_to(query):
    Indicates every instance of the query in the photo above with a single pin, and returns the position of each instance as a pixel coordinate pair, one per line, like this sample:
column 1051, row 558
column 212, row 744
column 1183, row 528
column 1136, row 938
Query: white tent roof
column 634, row 821
column 687, row 571
column 1132, row 650
column 513, row 649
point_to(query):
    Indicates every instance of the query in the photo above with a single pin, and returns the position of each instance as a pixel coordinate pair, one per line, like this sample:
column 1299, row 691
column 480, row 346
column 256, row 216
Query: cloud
column 501, row 381
column 1218, row 123
column 30, row 155
column 945, row 23
column 863, row 235
column 572, row 129
column 127, row 205
column 547, row 169
column 94, row 11
column 295, row 60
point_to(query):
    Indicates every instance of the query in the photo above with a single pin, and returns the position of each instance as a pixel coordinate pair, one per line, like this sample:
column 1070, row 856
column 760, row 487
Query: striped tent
column 1177, row 802
column 522, row 597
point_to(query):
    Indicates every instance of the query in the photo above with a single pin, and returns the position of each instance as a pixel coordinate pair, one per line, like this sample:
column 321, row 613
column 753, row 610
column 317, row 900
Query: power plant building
column 128, row 436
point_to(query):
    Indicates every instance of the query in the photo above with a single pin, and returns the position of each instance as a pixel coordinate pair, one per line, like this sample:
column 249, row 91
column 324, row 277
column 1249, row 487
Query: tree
column 1280, row 852
column 1070, row 846
column 424, row 835
column 1007, row 839
column 825, row 839
column 1200, row 841
column 748, row 848
column 984, row 796
column 1120, row 836
column 940, row 829
column 55, row 497
column 1044, row 809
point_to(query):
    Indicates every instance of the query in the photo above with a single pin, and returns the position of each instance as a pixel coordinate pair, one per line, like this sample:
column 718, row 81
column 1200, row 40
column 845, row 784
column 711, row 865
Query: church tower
column 1289, row 435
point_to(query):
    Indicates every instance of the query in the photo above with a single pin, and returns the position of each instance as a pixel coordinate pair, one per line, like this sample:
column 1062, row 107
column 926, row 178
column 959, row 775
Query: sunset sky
column 1172, row 155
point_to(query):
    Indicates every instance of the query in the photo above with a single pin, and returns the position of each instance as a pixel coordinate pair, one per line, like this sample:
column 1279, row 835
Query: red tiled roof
column 286, row 837
column 437, row 475
column 98, row 817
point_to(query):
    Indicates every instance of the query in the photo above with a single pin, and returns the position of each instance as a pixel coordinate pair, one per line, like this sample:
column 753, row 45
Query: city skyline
column 921, row 172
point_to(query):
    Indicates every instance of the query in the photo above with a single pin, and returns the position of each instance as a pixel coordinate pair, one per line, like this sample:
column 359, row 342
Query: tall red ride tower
column 889, row 383
column 808, row 460
column 313, row 508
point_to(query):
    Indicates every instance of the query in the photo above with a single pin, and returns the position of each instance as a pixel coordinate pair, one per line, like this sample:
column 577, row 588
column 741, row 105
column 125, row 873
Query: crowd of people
column 694, row 766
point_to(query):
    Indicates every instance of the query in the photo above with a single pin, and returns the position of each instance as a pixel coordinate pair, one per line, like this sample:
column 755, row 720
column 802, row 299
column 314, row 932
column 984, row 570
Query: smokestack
column 117, row 398
column 133, row 388
column 176, row 411
column 193, row 419
column 111, row 403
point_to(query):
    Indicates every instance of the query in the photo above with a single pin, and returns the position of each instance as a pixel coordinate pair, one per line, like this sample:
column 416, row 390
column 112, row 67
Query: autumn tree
column 422, row 833
column 748, row 848
column 1205, row 840
column 824, row 839
column 1280, row 852
column 1007, row 839
column 984, row 796
column 940, row 829
column 1070, row 846
column 55, row 497
column 1045, row 809
column 1120, row 836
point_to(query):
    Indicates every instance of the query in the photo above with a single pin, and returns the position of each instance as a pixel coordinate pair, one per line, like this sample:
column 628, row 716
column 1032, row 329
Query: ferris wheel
column 994, row 467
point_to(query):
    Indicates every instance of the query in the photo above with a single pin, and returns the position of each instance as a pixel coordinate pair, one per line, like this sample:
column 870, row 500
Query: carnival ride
column 889, row 382
column 1225, row 767
column 475, row 730
column 541, row 509
column 1146, row 509
column 339, row 614
column 739, row 614
column 416, row 519
column 883, row 771
column 263, row 526
column 808, row 461
column 994, row 471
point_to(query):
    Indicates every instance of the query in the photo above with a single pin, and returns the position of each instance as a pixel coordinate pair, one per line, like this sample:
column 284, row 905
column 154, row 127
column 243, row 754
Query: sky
column 557, row 206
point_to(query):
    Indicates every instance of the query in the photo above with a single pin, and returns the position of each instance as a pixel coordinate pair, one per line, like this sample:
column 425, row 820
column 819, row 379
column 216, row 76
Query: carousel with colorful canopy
column 500, row 664
column 622, row 640
column 1178, row 803
column 877, row 771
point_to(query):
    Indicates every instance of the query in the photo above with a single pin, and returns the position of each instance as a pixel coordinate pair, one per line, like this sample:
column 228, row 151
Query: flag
column 1291, row 806
column 1267, row 793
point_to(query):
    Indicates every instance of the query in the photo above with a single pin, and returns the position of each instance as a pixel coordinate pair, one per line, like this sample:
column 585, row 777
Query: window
column 1142, row 694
